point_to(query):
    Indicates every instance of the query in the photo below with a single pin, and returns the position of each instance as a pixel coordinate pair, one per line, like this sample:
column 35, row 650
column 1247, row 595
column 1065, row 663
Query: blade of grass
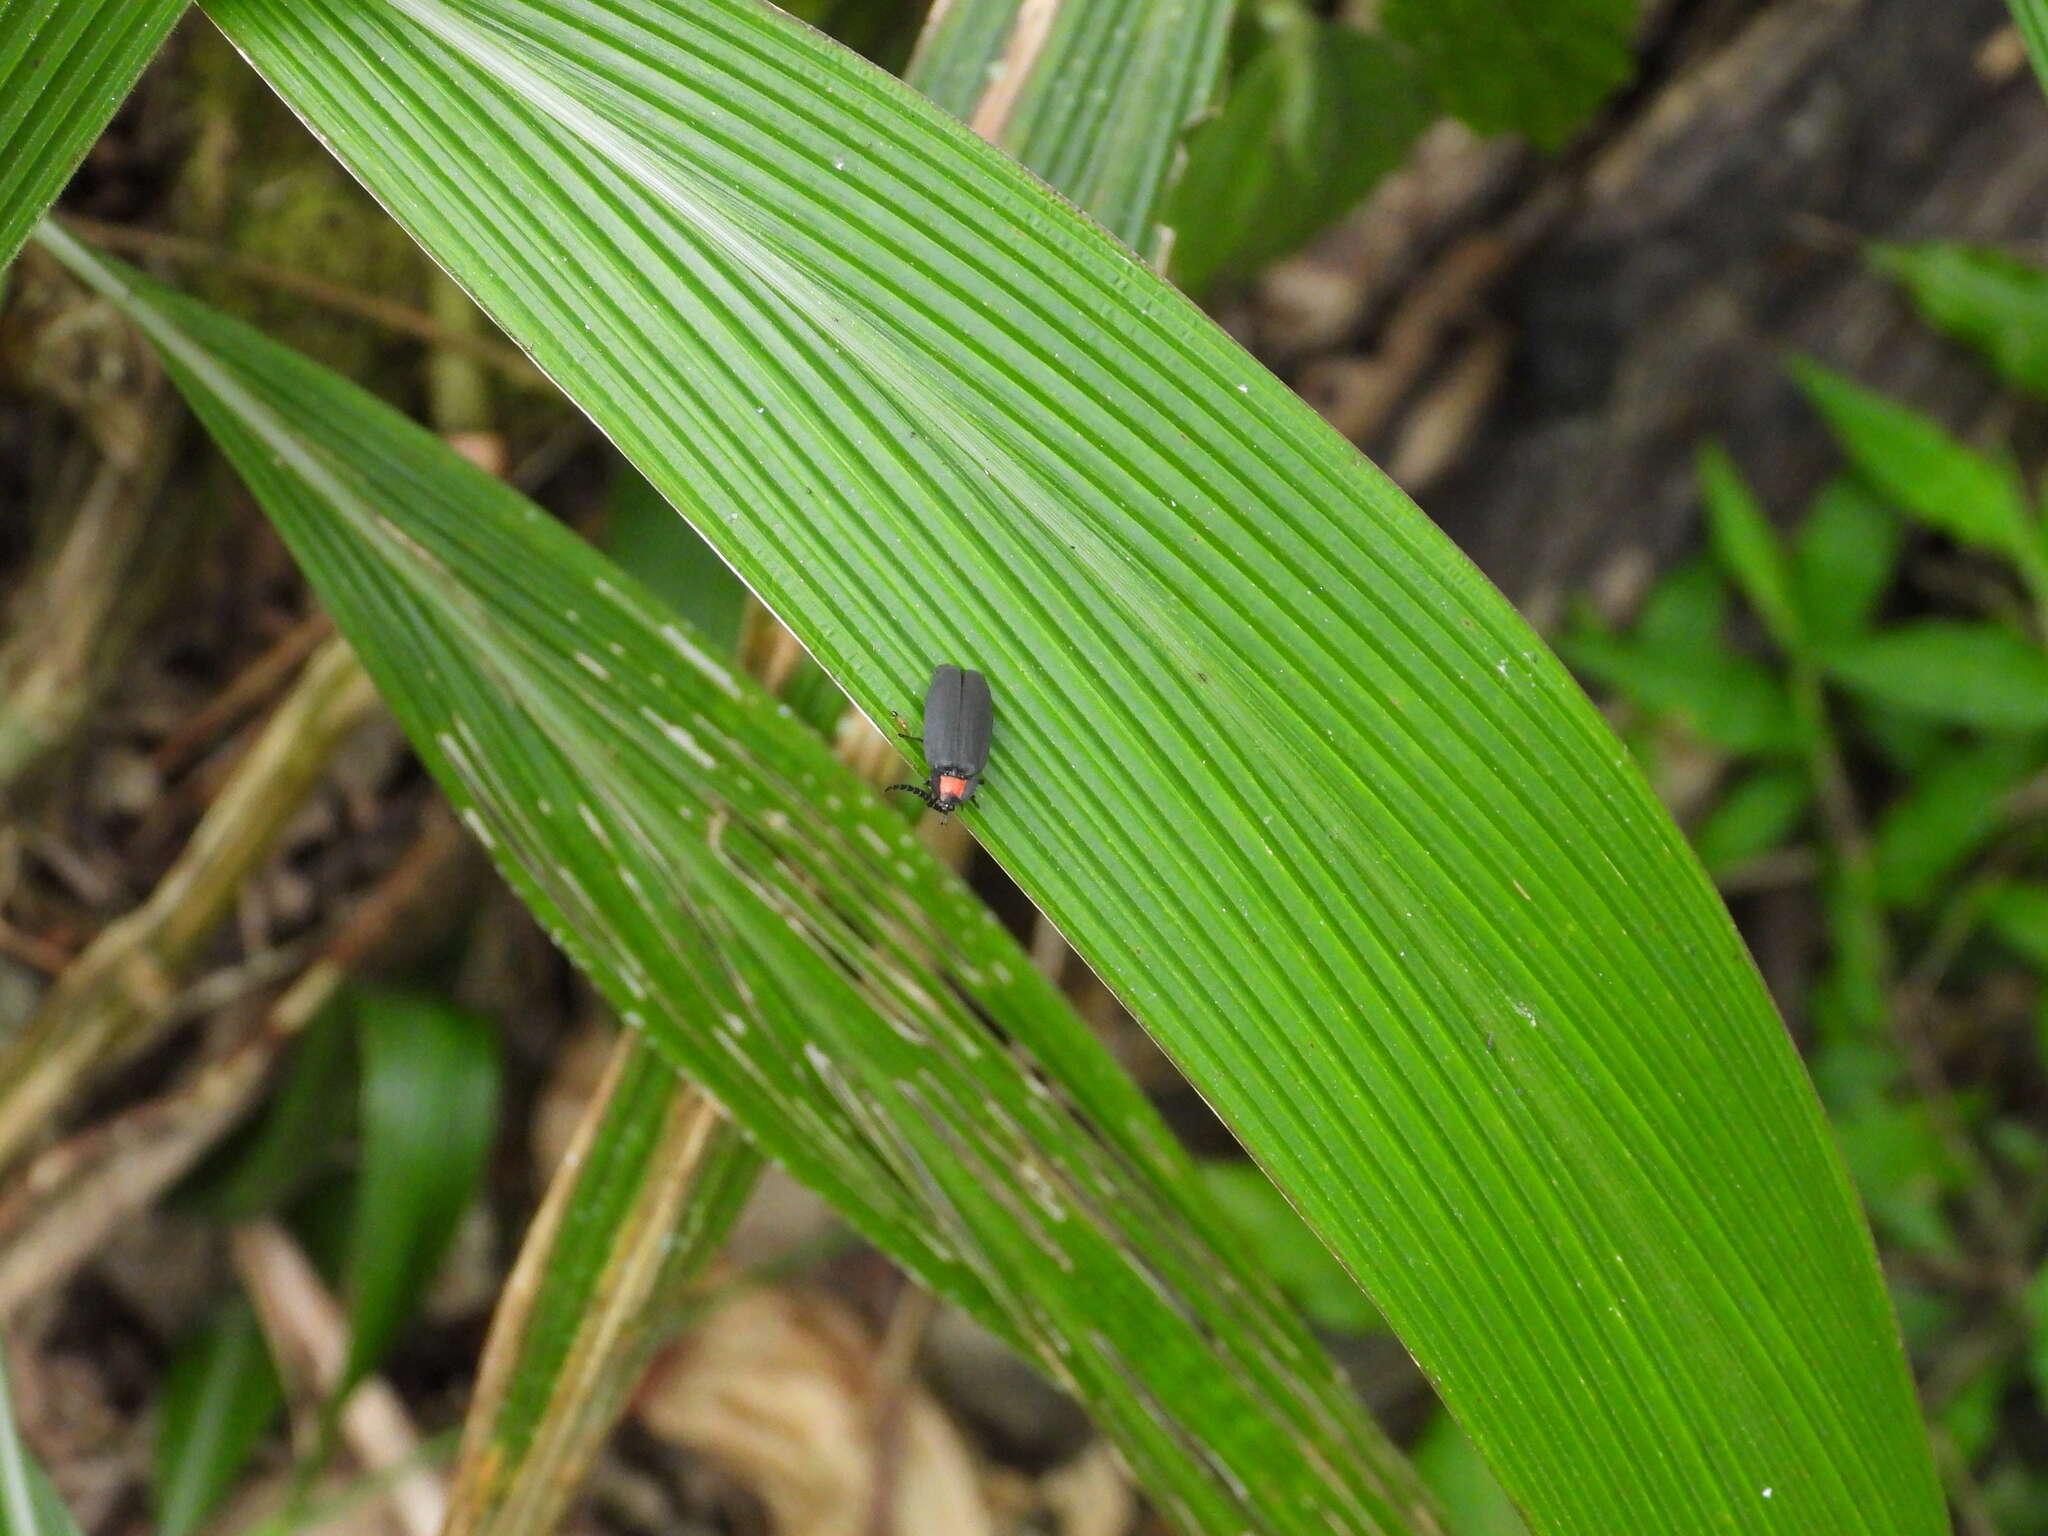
column 429, row 1112
column 785, row 939
column 65, row 65
column 640, row 1203
column 221, row 1394
column 1358, row 852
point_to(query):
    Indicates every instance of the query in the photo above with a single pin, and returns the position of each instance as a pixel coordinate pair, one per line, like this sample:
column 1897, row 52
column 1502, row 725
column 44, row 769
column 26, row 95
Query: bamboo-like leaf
column 960, row 51
column 1077, row 89
column 65, row 65
column 645, row 1194
column 1290, row 775
column 786, row 941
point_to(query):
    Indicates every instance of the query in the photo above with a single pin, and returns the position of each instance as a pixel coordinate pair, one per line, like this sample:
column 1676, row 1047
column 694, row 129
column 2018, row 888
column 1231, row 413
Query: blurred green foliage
column 1865, row 692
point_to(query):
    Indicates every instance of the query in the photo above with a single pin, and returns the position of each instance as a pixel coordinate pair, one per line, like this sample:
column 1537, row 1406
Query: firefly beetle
column 959, row 716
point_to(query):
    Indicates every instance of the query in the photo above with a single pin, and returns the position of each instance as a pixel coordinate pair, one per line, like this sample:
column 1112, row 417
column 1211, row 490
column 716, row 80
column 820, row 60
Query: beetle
column 959, row 717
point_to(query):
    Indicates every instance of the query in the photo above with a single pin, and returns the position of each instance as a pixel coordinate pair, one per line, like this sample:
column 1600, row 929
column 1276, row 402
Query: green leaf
column 1953, row 807
column 1854, row 1005
column 1729, row 701
column 429, row 1112
column 1925, row 1316
column 1748, row 548
column 1087, row 116
column 1685, row 612
column 1980, row 675
column 2031, row 17
column 960, row 52
column 2017, row 911
column 1474, row 1502
column 1319, row 116
column 221, row 1394
column 1535, row 67
column 1843, row 559
column 2036, row 1302
column 1910, row 743
column 1971, row 1415
column 1287, row 1250
column 1992, row 301
column 1753, row 817
column 644, row 535
column 292, row 1140
column 638, row 1206
column 786, row 939
column 1903, row 1171
column 65, row 65
column 29, row 1505
column 1953, row 489
column 928, row 413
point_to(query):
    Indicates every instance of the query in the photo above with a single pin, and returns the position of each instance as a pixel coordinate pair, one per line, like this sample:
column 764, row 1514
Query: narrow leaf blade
column 1985, row 298
column 1980, row 675
column 429, row 1112
column 221, row 1394
column 639, row 1205
column 1920, row 468
column 1749, row 549
column 65, row 65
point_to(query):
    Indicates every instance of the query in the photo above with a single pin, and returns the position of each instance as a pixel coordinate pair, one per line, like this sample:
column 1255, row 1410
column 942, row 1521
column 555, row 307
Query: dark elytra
column 959, row 718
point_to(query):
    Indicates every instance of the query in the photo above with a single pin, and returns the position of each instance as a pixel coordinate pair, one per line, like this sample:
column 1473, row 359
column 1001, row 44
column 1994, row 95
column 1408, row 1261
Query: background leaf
column 1992, row 301
column 1077, row 92
column 959, row 52
column 429, row 1113
column 644, row 535
column 1748, row 548
column 2017, row 911
column 2031, row 17
column 1287, row 1250
column 1317, row 117
column 1727, row 700
column 1537, row 67
column 293, row 1139
column 221, row 1394
column 1952, row 809
column 1980, row 675
column 65, row 65
column 1843, row 559
column 1753, row 817
column 1473, row 1498
column 927, row 413
column 1917, row 466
